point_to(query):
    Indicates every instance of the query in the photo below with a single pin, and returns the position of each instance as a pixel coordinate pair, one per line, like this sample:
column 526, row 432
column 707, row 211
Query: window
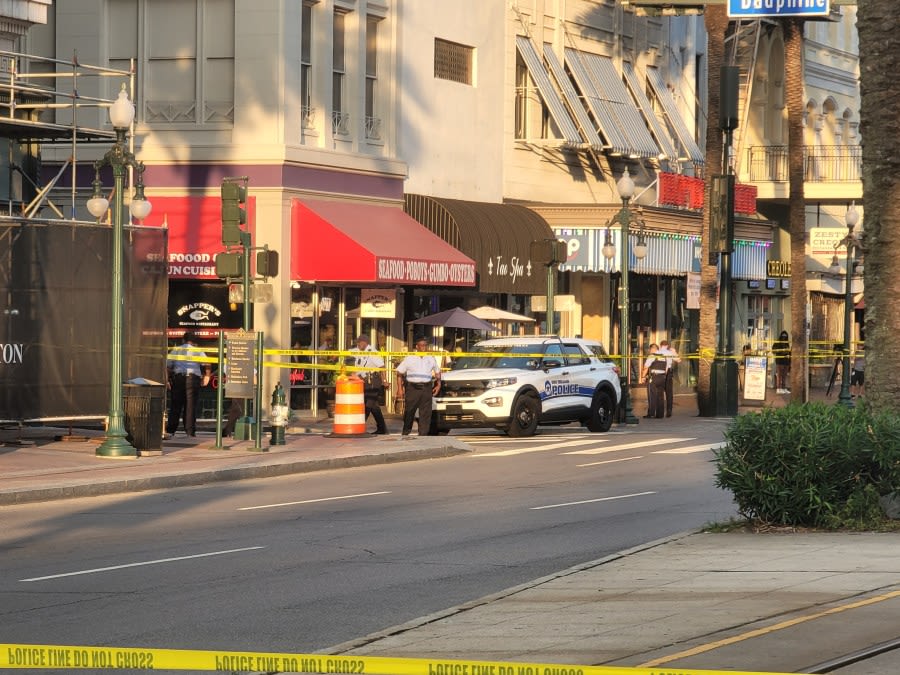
column 532, row 117
column 185, row 55
column 373, row 122
column 340, row 120
column 307, row 112
column 453, row 61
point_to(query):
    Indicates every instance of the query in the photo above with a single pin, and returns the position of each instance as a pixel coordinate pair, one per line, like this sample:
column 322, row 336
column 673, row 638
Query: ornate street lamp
column 121, row 115
column 625, row 218
column 852, row 244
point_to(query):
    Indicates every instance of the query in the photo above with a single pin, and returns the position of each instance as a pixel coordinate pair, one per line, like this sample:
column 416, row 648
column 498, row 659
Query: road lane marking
column 591, row 501
column 611, row 461
column 312, row 501
column 538, row 448
column 690, row 448
column 628, row 446
column 141, row 564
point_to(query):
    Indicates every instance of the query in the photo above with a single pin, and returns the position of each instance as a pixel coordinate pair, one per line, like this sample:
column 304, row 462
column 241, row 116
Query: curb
column 192, row 479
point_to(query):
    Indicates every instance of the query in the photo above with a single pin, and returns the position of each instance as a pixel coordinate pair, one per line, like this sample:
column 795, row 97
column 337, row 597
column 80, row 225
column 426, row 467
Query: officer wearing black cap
column 365, row 356
column 420, row 374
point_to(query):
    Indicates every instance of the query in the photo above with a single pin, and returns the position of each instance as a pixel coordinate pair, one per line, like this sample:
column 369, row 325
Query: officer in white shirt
column 367, row 357
column 421, row 376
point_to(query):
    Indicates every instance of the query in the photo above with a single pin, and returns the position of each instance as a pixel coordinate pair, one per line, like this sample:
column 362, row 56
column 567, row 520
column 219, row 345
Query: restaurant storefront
column 498, row 237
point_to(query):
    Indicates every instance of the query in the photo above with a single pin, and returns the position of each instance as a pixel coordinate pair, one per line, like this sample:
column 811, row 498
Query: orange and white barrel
column 349, row 406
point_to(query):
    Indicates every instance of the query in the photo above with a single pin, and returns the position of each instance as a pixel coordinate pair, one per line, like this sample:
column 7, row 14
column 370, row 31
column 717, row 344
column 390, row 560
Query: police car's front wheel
column 525, row 414
column 602, row 410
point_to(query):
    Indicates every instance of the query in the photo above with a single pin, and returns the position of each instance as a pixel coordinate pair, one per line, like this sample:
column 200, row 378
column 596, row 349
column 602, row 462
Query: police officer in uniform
column 420, row 374
column 655, row 375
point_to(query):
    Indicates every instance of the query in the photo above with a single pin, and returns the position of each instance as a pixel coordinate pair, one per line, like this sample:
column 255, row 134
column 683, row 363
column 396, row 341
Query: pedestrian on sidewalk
column 781, row 348
column 672, row 359
column 365, row 356
column 654, row 374
column 184, row 385
column 858, row 373
column 419, row 377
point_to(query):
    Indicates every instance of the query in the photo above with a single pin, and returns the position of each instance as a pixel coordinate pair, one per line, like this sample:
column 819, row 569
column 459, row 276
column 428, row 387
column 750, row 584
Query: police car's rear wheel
column 526, row 411
column 602, row 411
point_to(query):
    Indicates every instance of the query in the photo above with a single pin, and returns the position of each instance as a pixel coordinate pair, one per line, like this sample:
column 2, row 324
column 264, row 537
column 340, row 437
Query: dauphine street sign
column 761, row 8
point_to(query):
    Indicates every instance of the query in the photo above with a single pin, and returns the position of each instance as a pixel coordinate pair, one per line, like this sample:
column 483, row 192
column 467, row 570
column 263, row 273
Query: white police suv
column 516, row 383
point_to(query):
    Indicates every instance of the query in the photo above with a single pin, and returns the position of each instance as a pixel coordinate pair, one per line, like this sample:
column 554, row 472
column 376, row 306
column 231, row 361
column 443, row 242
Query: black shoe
column 647, row 417
column 385, row 432
column 668, row 414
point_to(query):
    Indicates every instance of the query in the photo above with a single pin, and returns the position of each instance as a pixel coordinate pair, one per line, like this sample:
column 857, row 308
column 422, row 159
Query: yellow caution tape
column 82, row 657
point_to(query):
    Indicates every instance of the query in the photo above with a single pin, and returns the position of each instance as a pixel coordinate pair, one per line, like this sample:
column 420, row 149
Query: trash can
column 145, row 402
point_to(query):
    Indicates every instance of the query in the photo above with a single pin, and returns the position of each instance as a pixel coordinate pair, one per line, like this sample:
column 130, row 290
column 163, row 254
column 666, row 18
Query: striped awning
column 664, row 96
column 748, row 259
column 667, row 254
column 660, row 133
column 548, row 93
column 602, row 88
column 575, row 105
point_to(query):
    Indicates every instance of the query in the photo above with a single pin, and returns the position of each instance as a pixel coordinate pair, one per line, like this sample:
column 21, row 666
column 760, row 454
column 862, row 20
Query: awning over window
column 551, row 99
column 748, row 259
column 675, row 120
column 195, row 232
column 667, row 254
column 588, row 128
column 608, row 100
column 656, row 127
column 352, row 242
column 497, row 236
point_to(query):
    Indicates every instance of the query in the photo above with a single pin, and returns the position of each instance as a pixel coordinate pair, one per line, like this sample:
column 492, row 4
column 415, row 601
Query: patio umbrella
column 454, row 318
column 489, row 313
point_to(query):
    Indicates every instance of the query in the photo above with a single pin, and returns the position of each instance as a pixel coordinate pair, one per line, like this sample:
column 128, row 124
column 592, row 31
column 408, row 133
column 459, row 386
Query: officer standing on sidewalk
column 421, row 376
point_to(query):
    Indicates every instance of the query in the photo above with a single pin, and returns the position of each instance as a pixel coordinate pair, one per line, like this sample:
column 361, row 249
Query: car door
column 560, row 390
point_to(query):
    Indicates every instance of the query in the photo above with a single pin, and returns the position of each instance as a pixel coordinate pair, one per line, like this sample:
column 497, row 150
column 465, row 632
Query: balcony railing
column 373, row 128
column 821, row 163
column 340, row 123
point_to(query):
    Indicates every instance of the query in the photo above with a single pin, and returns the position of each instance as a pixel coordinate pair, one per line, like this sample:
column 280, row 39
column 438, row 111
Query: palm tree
column 879, row 58
column 716, row 22
column 793, row 87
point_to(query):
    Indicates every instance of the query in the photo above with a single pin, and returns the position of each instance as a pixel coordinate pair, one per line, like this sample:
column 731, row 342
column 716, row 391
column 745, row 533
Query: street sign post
column 754, row 9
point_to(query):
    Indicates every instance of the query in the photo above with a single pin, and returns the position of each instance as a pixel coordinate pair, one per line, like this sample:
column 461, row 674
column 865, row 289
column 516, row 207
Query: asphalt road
column 300, row 563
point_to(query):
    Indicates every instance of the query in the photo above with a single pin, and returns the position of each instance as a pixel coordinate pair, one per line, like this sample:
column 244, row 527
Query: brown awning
column 496, row 236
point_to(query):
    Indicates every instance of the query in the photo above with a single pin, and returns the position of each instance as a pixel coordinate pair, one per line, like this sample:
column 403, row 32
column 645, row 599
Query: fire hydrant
column 278, row 415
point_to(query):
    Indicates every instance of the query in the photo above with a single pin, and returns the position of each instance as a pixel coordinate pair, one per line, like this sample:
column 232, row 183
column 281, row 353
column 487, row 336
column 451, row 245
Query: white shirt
column 367, row 358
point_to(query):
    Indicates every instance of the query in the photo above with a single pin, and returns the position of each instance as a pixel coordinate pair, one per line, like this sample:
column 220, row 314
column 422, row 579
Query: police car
column 516, row 383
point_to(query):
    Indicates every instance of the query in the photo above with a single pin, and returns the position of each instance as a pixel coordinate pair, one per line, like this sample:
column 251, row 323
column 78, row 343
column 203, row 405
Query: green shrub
column 811, row 465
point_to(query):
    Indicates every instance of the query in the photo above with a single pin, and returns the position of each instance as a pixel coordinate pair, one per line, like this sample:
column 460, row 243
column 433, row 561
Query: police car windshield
column 500, row 356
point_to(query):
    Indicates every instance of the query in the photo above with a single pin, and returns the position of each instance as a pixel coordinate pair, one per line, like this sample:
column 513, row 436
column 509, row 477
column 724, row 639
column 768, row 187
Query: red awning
column 353, row 242
column 195, row 232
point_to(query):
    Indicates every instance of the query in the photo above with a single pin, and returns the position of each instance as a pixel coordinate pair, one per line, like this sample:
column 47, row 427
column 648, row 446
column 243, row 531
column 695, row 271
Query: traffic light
column 267, row 263
column 549, row 251
column 229, row 265
column 234, row 213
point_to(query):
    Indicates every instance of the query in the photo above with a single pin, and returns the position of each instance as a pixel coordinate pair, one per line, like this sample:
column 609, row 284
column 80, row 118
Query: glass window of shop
column 324, row 320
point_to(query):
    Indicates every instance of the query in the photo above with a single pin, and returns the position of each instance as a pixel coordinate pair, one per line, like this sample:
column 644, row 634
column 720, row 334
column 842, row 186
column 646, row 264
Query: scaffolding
column 43, row 101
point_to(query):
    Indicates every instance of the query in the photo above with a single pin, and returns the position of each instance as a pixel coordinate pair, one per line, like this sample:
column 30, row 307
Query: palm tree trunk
column 716, row 21
column 879, row 58
column 793, row 85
